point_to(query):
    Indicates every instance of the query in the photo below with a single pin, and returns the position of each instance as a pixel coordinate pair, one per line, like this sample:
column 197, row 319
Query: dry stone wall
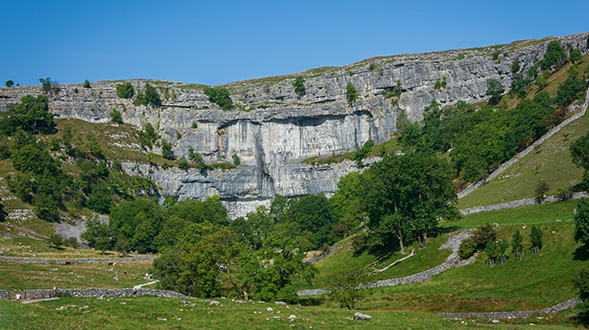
column 515, row 315
column 97, row 293
column 74, row 261
column 452, row 261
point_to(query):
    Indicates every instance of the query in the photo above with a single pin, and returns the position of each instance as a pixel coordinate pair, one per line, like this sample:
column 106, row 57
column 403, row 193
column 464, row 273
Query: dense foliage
column 149, row 97
column 219, row 96
column 351, row 93
column 125, row 90
column 299, row 85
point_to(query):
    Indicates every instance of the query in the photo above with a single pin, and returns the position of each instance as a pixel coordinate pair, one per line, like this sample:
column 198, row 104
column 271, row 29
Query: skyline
column 222, row 42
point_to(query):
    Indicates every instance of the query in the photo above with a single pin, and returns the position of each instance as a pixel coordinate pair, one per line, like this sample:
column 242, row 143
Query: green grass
column 537, row 282
column 378, row 150
column 424, row 258
column 551, row 162
column 149, row 312
column 530, row 214
column 21, row 276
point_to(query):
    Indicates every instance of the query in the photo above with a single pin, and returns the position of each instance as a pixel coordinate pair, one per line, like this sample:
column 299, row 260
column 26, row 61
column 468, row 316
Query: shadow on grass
column 581, row 253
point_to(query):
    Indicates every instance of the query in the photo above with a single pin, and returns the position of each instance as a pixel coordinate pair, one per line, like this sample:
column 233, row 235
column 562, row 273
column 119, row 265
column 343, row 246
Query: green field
column 160, row 313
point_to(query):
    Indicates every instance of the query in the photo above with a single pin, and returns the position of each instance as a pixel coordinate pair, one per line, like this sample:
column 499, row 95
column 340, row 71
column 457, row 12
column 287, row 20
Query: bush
column 9, row 83
column 194, row 124
column 87, row 84
column 495, row 250
column 167, row 150
column 351, row 93
column 516, row 243
column 582, row 285
column 71, row 242
column 182, row 163
column 236, row 159
column 554, row 56
column 484, row 234
column 115, row 115
column 56, row 241
column 345, row 286
column 125, row 90
column 299, row 85
column 494, row 89
column 219, row 96
column 467, row 249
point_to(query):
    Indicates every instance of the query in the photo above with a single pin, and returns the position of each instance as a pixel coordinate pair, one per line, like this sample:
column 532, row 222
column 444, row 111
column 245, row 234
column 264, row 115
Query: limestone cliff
column 275, row 129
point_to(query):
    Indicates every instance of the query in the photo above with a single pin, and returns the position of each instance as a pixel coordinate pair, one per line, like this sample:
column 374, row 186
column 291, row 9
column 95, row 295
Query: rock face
column 279, row 128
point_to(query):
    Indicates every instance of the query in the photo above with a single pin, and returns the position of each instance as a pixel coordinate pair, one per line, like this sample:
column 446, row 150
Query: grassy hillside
column 160, row 313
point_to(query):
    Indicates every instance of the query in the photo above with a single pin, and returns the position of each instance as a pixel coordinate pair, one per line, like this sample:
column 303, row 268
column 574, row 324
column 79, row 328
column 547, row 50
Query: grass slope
column 160, row 313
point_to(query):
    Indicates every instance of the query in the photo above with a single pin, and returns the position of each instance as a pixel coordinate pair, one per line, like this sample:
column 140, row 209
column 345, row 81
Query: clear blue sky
column 215, row 42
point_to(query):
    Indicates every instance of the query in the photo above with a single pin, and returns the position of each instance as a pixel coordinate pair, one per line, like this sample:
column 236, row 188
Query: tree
column 575, row 56
column 103, row 244
column 150, row 97
column 484, row 234
column 32, row 114
column 582, row 221
column 554, row 56
column 219, row 96
column 582, row 285
column 56, row 240
column 351, row 93
column 125, row 90
column 236, row 159
column 541, row 189
column 299, row 85
column 348, row 285
column 406, row 196
column 536, row 237
column 122, row 246
column 495, row 90
column 579, row 151
column 9, row 83
column 516, row 243
column 87, row 84
column 313, row 213
column 49, row 85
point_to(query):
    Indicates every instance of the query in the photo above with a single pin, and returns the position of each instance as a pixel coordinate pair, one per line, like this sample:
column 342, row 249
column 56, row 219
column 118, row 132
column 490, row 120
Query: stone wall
column 518, row 203
column 5, row 294
column 75, row 261
column 96, row 293
column 452, row 261
column 514, row 315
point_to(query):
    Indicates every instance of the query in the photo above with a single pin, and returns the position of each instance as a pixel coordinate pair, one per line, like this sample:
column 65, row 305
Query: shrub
column 182, row 163
column 178, row 135
column 351, row 93
column 440, row 84
column 494, row 89
column 515, row 66
column 125, row 90
column 9, row 83
column 167, row 150
column 484, row 234
column 345, row 286
column 554, row 56
column 495, row 250
column 87, row 84
column 194, row 156
column 194, row 124
column 219, row 96
column 56, row 241
column 541, row 189
column 575, row 56
column 467, row 249
column 236, row 159
column 299, row 85
column 115, row 115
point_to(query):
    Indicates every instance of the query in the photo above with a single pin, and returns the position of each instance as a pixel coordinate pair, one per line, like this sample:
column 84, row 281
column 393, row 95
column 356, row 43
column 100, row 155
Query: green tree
column 48, row 85
column 219, row 96
column 236, row 159
column 569, row 90
column 149, row 97
column 9, row 83
column 516, row 243
column 582, row 285
column 100, row 200
column 484, row 234
column 299, row 85
column 541, row 189
column 56, row 241
column 348, row 285
column 122, row 246
column 32, row 114
column 95, row 230
column 407, row 195
column 579, row 151
column 554, row 56
column 313, row 213
column 87, row 84
column 582, row 221
column 575, row 56
column 515, row 66
column 125, row 90
column 351, row 93
column 495, row 90
column 536, row 237
column 103, row 244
